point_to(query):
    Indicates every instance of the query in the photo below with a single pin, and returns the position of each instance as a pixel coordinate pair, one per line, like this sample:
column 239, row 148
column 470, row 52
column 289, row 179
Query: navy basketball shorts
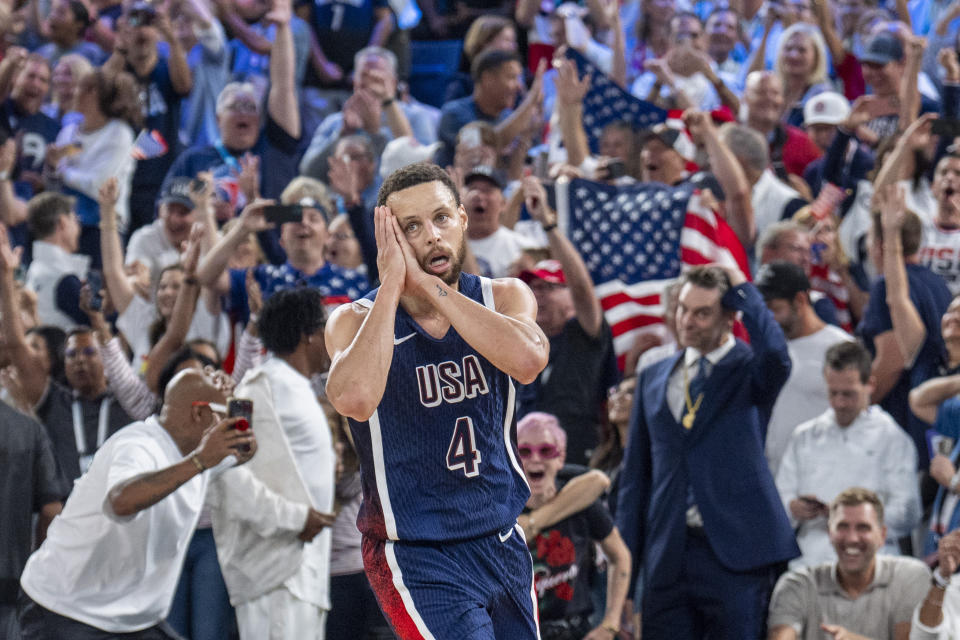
column 480, row 589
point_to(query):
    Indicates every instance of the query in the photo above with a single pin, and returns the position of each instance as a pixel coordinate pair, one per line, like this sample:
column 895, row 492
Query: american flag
column 635, row 240
column 607, row 102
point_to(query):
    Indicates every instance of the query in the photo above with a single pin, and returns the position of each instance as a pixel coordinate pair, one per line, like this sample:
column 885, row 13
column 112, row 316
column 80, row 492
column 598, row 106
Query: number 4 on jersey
column 463, row 453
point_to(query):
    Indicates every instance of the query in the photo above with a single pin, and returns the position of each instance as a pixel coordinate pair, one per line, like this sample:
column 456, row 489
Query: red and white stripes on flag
column 635, row 240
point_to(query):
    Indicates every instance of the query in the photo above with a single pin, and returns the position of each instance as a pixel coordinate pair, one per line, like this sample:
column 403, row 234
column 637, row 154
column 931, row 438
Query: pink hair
column 546, row 421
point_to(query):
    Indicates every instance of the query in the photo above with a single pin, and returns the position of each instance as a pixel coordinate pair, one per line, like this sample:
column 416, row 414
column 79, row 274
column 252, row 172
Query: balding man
column 110, row 563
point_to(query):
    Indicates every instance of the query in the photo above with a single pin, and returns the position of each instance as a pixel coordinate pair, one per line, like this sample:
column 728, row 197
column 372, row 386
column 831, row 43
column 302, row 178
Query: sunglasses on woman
column 543, row 451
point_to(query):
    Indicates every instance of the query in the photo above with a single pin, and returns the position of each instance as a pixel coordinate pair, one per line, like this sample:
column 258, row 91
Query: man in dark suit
column 697, row 504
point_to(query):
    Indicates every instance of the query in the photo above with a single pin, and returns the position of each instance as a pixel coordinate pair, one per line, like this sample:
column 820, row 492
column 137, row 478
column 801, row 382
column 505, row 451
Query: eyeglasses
column 86, row 351
column 219, row 410
column 543, row 451
column 243, row 107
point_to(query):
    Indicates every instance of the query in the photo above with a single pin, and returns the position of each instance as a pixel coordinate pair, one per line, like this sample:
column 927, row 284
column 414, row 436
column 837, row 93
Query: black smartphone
column 95, row 282
column 283, row 213
column 616, row 169
column 945, row 128
column 241, row 408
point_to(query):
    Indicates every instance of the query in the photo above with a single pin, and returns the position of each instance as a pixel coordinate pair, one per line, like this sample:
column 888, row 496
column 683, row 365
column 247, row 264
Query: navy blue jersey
column 438, row 457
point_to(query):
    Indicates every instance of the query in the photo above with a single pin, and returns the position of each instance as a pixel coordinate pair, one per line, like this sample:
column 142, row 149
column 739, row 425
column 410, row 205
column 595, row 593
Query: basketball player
column 424, row 367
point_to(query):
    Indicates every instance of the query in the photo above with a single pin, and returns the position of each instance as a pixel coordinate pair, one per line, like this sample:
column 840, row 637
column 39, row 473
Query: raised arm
column 382, row 28
column 111, row 248
column 570, row 93
column 282, row 102
column 738, row 208
column 927, row 398
column 143, row 491
column 899, row 162
column 182, row 314
column 908, row 328
column 823, row 11
column 909, row 85
column 360, row 340
column 13, row 210
column 585, row 302
column 517, row 121
column 32, row 377
column 180, row 76
column 212, row 271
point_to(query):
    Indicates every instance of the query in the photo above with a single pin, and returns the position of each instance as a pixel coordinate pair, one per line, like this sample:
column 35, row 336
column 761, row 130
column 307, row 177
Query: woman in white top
column 97, row 147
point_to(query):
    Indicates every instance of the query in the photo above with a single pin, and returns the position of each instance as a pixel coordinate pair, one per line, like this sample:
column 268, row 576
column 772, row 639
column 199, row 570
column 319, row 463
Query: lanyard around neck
column 79, row 433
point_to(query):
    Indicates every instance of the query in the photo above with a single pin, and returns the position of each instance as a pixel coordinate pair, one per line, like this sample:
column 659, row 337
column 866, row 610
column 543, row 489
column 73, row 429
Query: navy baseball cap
column 177, row 191
column 883, row 48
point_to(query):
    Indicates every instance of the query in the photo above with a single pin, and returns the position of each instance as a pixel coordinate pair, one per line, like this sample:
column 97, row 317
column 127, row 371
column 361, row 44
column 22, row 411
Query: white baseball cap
column 826, row 108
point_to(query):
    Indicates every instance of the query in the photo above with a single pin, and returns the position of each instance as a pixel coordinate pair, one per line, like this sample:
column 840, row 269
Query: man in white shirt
column 111, row 560
column 158, row 245
column 852, row 443
column 56, row 272
column 786, row 290
column 495, row 247
column 273, row 542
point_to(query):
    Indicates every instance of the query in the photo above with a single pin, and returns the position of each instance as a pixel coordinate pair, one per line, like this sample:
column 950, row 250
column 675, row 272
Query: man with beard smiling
column 861, row 595
column 424, row 368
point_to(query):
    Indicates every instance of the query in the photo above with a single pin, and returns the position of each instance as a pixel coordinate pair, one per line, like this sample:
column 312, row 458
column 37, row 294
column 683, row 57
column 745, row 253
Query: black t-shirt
column 574, row 386
column 55, row 411
column 28, row 481
column 564, row 562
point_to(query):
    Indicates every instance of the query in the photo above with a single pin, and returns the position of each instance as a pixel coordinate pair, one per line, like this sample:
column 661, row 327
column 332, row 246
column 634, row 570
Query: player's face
column 848, row 395
column 856, row 534
column 434, row 226
column 542, row 457
column 702, row 323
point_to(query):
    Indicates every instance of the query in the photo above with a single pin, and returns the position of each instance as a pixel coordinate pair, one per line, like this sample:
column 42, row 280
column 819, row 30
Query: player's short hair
column 849, row 355
column 911, row 234
column 44, row 211
column 289, row 316
column 539, row 419
column 491, row 61
column 854, row 497
column 412, row 175
column 707, row 278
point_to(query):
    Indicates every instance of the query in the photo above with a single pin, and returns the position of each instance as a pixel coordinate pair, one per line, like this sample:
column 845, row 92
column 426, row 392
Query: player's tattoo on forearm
column 440, row 291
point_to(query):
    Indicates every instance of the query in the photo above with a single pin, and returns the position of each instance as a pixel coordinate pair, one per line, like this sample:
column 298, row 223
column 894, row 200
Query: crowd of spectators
column 143, row 144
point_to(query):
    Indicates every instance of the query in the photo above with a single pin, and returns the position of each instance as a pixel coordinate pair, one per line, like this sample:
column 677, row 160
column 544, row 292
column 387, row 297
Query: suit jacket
column 721, row 458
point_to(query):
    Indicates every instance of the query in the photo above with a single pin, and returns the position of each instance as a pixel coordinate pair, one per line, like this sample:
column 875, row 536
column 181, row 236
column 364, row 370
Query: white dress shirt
column 50, row 265
column 804, row 396
column 676, row 393
column 117, row 573
column 822, row 459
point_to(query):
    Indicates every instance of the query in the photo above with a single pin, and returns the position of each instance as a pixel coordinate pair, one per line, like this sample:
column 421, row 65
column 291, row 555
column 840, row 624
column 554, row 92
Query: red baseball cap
column 546, row 270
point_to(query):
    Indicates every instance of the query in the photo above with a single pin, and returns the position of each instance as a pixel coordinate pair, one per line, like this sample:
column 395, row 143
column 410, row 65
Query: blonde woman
column 801, row 65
